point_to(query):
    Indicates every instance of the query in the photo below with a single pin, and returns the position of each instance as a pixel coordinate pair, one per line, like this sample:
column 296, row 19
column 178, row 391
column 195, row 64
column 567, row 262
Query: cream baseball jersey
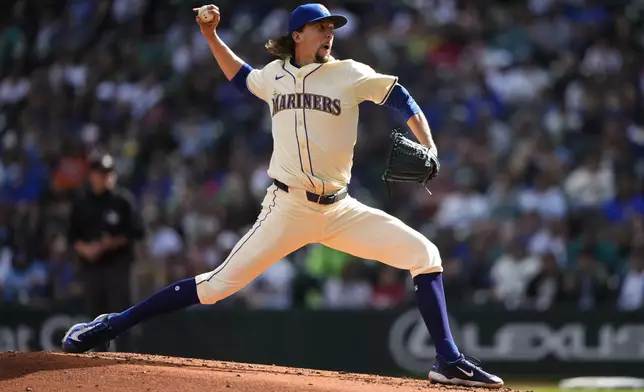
column 314, row 112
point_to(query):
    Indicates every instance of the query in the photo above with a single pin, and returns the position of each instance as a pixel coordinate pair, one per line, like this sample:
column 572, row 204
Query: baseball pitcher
column 313, row 102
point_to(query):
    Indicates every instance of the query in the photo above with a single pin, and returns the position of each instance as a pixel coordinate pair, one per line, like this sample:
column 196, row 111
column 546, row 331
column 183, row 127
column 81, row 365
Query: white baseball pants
column 288, row 221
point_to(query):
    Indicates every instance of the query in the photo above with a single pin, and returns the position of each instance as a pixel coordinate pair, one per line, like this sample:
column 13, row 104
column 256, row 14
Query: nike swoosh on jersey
column 278, row 77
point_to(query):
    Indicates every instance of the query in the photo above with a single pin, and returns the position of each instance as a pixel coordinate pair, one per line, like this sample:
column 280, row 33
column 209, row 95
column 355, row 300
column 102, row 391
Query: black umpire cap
column 103, row 163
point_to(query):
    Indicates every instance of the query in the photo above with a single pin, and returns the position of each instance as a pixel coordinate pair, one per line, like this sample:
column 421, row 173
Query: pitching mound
column 58, row 372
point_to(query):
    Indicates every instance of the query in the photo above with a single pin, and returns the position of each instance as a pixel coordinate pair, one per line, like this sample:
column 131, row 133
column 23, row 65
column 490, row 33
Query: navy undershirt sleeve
column 402, row 101
column 239, row 80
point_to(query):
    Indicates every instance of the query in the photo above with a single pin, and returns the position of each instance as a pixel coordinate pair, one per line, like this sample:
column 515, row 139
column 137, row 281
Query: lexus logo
column 410, row 344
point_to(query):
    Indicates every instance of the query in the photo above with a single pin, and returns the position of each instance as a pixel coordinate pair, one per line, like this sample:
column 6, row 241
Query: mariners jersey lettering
column 314, row 112
column 306, row 101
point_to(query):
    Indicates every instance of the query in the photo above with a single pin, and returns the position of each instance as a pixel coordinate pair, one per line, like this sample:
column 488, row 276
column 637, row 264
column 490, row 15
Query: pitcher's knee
column 211, row 289
column 426, row 257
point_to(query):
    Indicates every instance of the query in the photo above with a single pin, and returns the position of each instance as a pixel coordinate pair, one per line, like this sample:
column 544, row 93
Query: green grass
column 555, row 389
column 552, row 387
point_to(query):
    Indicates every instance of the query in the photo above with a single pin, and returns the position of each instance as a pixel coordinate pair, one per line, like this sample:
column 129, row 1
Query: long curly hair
column 282, row 47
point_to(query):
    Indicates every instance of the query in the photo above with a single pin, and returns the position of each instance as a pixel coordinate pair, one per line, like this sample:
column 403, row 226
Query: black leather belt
column 315, row 198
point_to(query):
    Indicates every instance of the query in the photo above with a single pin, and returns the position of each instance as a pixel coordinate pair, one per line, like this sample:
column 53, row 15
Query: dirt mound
column 57, row 372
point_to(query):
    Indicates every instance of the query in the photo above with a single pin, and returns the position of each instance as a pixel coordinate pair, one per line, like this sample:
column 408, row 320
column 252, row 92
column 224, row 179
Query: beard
column 322, row 58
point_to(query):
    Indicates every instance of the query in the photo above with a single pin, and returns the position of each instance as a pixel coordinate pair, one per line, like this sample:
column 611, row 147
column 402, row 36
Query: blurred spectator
column 631, row 295
column 71, row 170
column 626, row 204
column 26, row 278
column 477, row 279
column 163, row 241
column 552, row 240
column 462, row 208
column 594, row 239
column 62, row 274
column 544, row 197
column 351, row 290
column 549, row 287
column 272, row 289
column 601, row 59
column 511, row 274
column 389, row 289
column 592, row 184
column 590, row 285
column 14, row 88
column 6, row 264
column 502, row 195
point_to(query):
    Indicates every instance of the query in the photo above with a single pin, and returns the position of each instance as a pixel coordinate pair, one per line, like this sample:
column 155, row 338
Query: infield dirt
column 58, row 372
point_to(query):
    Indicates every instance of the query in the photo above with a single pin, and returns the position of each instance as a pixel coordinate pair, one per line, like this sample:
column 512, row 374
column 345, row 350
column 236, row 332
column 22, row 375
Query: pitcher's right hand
column 208, row 28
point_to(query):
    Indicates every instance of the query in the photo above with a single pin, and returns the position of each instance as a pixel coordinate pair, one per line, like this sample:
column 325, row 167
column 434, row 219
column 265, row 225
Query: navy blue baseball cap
column 313, row 12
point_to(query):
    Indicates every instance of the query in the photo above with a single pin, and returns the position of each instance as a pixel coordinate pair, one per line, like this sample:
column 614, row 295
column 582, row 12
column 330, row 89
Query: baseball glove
column 409, row 161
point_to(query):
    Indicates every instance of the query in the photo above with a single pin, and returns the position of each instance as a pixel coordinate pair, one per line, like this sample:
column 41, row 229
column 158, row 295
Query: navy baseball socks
column 176, row 296
column 430, row 297
column 106, row 327
column 451, row 366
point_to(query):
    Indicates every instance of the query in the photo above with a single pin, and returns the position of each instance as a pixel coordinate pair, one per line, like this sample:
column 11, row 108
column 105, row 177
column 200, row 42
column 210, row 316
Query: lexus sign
column 412, row 349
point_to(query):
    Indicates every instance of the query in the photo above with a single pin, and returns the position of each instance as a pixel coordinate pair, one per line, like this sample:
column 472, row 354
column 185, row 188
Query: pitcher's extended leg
column 278, row 231
column 372, row 234
column 281, row 229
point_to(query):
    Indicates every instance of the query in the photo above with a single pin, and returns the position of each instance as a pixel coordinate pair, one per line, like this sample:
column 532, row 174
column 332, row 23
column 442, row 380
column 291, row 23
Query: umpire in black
column 104, row 226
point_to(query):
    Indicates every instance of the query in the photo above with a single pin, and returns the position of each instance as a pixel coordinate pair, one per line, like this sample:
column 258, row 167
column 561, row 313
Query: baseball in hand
column 205, row 15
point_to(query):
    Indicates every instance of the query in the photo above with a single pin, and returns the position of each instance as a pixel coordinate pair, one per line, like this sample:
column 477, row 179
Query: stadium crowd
column 536, row 107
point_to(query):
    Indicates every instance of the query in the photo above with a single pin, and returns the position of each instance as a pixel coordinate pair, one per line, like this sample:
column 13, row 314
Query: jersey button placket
column 300, row 130
column 300, row 115
column 300, row 126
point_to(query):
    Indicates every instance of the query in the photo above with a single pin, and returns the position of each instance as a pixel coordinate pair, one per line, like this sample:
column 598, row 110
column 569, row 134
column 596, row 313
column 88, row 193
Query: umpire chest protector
column 110, row 213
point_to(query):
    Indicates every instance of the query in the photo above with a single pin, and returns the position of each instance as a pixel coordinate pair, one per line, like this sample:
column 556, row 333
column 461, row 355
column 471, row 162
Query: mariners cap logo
column 323, row 9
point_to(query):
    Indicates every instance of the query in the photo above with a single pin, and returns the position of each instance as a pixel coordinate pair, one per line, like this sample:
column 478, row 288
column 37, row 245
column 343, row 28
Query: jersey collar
column 305, row 70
